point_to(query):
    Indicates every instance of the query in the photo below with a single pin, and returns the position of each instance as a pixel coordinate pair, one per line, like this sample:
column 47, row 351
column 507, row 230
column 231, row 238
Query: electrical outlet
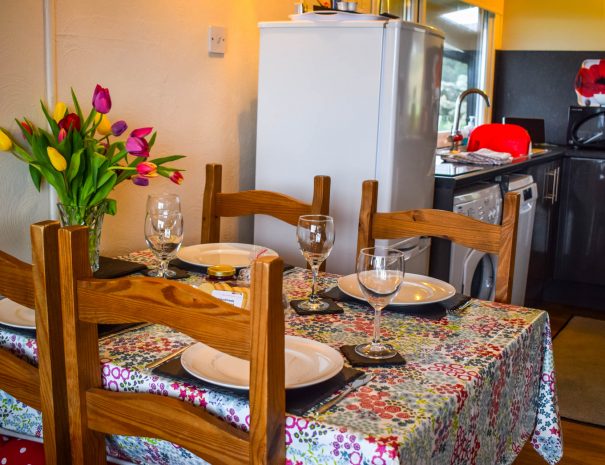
column 217, row 38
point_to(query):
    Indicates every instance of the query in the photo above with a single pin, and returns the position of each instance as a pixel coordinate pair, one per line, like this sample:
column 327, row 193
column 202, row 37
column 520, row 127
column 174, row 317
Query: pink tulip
column 137, row 146
column 141, row 132
column 140, row 180
column 101, row 100
column 147, row 169
column 61, row 135
column 176, row 177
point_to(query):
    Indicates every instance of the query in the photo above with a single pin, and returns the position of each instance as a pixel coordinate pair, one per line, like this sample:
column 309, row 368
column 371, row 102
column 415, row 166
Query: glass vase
column 74, row 215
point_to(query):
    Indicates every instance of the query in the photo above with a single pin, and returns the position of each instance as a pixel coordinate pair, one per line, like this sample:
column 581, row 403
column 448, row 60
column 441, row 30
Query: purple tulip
column 137, row 146
column 140, row 180
column 141, row 132
column 118, row 128
column 101, row 101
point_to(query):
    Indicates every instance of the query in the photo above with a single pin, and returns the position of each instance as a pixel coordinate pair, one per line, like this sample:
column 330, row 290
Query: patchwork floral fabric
column 477, row 385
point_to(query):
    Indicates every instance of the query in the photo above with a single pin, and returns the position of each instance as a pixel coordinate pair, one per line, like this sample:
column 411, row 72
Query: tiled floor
column 583, row 444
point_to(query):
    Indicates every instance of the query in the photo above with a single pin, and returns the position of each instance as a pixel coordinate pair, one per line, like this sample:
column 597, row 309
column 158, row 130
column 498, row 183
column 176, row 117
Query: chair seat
column 14, row 451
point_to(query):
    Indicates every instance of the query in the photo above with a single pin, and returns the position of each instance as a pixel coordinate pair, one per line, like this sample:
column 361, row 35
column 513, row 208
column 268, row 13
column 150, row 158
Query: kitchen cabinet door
column 541, row 262
column 580, row 253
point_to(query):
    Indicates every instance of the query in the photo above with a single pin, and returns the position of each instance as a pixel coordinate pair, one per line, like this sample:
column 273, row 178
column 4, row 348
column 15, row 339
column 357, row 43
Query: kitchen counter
column 452, row 176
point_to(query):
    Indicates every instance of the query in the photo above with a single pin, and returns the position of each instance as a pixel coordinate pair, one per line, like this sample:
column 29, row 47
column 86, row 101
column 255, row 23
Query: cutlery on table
column 354, row 385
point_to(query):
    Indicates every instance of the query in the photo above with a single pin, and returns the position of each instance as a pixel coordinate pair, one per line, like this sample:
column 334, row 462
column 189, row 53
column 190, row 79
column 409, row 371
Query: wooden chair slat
column 472, row 233
column 150, row 415
column 20, row 379
column 154, row 300
column 16, row 280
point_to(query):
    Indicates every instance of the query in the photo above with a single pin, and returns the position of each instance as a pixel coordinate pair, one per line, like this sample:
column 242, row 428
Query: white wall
column 153, row 57
column 21, row 87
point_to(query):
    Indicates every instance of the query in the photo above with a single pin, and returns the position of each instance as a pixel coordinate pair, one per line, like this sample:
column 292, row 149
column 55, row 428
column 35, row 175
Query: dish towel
column 480, row 157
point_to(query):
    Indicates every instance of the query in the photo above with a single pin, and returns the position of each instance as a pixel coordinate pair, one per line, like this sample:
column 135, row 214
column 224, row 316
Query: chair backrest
column 37, row 286
column 219, row 204
column 256, row 335
column 472, row 233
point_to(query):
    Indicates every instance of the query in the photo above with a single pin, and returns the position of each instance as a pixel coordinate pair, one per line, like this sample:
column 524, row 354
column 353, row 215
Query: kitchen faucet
column 456, row 136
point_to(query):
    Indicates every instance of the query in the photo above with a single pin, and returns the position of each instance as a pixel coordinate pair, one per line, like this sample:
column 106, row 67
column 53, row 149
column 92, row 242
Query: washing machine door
column 479, row 275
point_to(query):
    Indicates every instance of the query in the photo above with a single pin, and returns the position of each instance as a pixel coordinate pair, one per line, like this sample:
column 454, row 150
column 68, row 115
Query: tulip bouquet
column 79, row 159
column 83, row 160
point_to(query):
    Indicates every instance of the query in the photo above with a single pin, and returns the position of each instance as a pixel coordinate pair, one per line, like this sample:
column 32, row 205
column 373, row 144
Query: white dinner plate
column 17, row 316
column 415, row 289
column 237, row 255
column 308, row 362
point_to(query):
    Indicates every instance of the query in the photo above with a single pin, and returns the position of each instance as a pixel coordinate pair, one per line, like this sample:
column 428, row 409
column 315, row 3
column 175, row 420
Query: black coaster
column 179, row 274
column 114, row 268
column 333, row 308
column 357, row 360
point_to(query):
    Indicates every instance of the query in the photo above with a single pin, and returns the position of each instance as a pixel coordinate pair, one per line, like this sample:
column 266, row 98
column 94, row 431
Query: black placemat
column 298, row 401
column 115, row 268
column 358, row 361
column 178, row 263
column 432, row 311
column 332, row 308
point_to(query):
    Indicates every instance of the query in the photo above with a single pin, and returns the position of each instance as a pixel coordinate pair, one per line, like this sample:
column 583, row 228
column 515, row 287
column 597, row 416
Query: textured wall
column 154, row 58
column 21, row 87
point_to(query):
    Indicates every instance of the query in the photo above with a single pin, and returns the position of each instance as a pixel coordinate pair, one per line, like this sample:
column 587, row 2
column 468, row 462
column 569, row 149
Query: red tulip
column 62, row 134
column 70, row 121
column 101, row 100
column 147, row 169
column 176, row 177
column 140, row 180
column 141, row 132
column 25, row 125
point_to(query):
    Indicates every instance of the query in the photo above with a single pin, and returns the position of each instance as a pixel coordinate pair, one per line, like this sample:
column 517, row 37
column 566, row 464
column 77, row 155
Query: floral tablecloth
column 477, row 385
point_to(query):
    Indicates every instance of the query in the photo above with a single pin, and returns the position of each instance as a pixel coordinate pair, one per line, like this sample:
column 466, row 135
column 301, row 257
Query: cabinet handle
column 549, row 188
column 556, row 185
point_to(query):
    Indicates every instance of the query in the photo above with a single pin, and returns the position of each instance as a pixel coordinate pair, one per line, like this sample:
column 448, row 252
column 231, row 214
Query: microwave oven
column 586, row 127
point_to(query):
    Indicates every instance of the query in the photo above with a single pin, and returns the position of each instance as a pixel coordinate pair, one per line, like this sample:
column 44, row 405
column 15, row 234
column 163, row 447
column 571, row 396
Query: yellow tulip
column 104, row 126
column 56, row 159
column 6, row 143
column 60, row 110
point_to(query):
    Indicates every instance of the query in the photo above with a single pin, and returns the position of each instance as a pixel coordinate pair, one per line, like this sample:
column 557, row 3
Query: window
column 467, row 53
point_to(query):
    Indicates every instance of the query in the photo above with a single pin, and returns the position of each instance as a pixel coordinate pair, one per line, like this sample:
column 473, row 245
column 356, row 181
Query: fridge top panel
column 325, row 22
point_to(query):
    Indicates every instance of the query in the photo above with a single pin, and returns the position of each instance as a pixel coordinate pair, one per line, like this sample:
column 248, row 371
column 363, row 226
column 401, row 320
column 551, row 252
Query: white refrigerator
column 353, row 100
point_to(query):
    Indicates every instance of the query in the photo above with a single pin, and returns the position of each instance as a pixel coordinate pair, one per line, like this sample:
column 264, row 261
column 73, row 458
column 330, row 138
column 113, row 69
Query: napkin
column 298, row 401
column 480, row 157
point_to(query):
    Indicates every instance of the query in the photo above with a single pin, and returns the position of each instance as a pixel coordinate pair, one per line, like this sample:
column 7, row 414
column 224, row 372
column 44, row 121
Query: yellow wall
column 554, row 25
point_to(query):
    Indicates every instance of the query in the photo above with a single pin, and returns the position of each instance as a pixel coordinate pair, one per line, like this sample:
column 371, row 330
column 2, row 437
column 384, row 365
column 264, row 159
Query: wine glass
column 315, row 235
column 380, row 273
column 164, row 201
column 164, row 235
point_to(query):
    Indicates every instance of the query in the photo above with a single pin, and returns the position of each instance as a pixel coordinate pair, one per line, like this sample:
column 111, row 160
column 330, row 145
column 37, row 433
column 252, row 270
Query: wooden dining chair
column 217, row 204
column 256, row 335
column 37, row 286
column 469, row 232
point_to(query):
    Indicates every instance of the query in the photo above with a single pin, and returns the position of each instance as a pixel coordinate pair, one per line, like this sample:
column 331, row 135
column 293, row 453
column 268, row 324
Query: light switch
column 217, row 38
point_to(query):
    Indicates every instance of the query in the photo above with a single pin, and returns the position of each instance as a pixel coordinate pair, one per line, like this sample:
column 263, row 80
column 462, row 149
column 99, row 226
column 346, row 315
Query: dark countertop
column 456, row 175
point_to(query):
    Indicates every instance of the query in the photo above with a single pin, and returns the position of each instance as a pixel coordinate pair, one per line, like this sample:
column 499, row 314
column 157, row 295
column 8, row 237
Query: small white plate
column 416, row 289
column 237, row 255
column 17, row 316
column 308, row 362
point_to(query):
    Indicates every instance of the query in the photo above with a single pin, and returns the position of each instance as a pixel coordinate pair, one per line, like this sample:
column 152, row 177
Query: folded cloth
column 480, row 157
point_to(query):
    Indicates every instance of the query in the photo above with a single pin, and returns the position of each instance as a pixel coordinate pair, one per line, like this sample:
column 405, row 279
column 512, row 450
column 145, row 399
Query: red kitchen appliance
column 509, row 138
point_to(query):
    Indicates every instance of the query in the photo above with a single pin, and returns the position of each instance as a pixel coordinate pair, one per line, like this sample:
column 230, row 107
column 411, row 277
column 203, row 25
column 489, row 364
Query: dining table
column 477, row 384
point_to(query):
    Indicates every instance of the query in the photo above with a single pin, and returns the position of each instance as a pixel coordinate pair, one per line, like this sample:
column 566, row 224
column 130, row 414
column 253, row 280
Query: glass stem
column 377, row 316
column 163, row 268
column 315, row 270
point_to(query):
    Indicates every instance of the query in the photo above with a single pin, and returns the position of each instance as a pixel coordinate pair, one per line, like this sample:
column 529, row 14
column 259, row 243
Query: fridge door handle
column 423, row 244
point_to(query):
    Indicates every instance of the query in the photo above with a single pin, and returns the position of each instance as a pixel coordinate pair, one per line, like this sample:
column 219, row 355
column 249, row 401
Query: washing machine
column 523, row 184
column 473, row 272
